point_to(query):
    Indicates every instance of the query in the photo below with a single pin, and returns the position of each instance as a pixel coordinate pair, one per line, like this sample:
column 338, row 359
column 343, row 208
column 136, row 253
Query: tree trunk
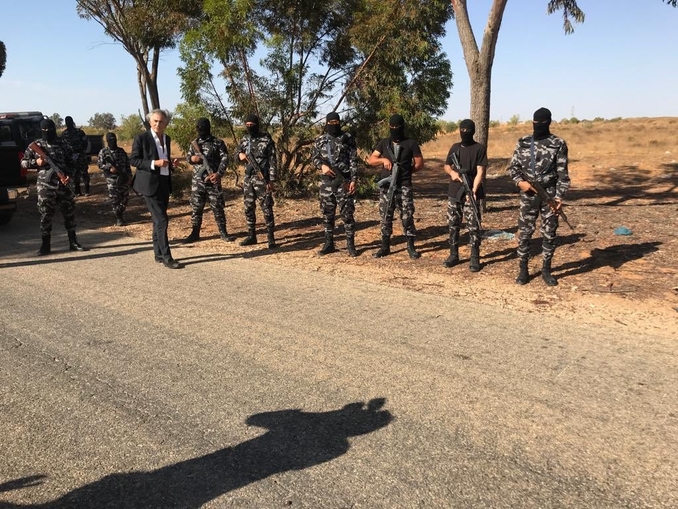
column 479, row 62
column 152, row 80
column 142, row 89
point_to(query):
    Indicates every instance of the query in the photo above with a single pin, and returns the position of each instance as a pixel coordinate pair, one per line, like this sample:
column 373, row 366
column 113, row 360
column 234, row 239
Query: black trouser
column 157, row 206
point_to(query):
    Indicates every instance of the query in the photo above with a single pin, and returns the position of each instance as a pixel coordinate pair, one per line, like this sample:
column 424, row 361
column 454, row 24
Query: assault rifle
column 392, row 179
column 338, row 175
column 551, row 202
column 53, row 168
column 252, row 161
column 468, row 187
column 202, row 157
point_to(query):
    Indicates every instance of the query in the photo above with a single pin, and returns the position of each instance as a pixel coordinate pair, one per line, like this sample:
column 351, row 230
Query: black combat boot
column 223, row 233
column 194, row 236
column 385, row 248
column 350, row 246
column 411, row 250
column 329, row 244
column 46, row 247
column 524, row 274
column 271, row 238
column 453, row 259
column 119, row 221
column 474, row 265
column 77, row 191
column 251, row 238
column 86, row 188
column 546, row 273
column 73, row 244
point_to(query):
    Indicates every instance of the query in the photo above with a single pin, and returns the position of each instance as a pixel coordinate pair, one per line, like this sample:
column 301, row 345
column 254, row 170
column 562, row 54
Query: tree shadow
column 611, row 256
column 295, row 440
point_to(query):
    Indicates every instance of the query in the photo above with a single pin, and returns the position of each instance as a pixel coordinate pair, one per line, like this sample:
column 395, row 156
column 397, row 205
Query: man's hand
column 455, row 176
column 113, row 169
column 270, row 187
column 326, row 170
column 160, row 163
column 242, row 156
column 39, row 161
column 387, row 163
column 525, row 186
column 65, row 179
column 351, row 187
column 556, row 205
column 214, row 178
column 195, row 159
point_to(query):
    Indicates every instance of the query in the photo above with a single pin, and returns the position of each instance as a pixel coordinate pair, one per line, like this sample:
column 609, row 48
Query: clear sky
column 621, row 62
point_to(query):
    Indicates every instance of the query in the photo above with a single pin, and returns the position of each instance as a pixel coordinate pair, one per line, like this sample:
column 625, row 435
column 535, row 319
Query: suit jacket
column 144, row 152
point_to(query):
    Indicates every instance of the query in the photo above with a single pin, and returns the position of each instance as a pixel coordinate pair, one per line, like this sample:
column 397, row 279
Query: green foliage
column 494, row 123
column 367, row 185
column 3, row 57
column 574, row 120
column 447, row 126
column 599, row 119
column 105, row 121
column 615, row 119
column 514, row 120
column 181, row 179
column 130, row 126
column 58, row 121
column 319, row 57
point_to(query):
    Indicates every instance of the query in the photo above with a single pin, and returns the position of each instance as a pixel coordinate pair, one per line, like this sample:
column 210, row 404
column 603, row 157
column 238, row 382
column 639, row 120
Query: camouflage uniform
column 117, row 183
column 262, row 148
column 51, row 192
column 215, row 152
column 340, row 154
column 545, row 161
column 76, row 139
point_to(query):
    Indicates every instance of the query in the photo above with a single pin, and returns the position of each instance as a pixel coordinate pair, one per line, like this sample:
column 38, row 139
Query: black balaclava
column 335, row 128
column 112, row 141
column 204, row 127
column 541, row 120
column 69, row 122
column 467, row 128
column 48, row 130
column 397, row 125
column 253, row 130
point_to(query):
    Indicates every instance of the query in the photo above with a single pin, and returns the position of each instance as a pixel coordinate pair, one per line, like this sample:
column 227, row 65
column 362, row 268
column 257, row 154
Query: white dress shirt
column 162, row 153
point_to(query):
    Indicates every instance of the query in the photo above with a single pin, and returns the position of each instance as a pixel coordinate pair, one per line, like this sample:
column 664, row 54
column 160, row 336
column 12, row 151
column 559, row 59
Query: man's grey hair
column 158, row 111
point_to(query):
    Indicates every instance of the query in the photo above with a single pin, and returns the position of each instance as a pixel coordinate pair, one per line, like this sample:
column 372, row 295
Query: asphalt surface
column 240, row 383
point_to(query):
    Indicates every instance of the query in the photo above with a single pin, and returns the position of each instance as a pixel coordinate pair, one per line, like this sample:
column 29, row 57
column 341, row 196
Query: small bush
column 367, row 186
column 181, row 180
column 599, row 119
column 615, row 119
column 574, row 120
column 495, row 123
column 514, row 120
column 130, row 126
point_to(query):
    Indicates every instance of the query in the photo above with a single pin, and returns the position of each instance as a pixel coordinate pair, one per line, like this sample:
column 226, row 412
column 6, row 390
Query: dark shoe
column 223, row 233
column 86, row 189
column 250, row 240
column 350, row 247
column 73, row 244
column 453, row 259
column 271, row 240
column 474, row 265
column 172, row 264
column 158, row 259
column 77, row 190
column 411, row 250
column 385, row 248
column 329, row 245
column 119, row 221
column 524, row 274
column 194, row 236
column 546, row 274
column 45, row 247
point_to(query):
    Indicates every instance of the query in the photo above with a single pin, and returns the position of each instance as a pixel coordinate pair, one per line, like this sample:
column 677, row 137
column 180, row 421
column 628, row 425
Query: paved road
column 239, row 383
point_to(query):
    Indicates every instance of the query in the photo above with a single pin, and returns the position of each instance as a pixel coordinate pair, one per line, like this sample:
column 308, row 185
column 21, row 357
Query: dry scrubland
column 624, row 173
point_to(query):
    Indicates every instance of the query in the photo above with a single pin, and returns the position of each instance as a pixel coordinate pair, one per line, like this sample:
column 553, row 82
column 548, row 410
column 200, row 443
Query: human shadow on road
column 611, row 256
column 295, row 440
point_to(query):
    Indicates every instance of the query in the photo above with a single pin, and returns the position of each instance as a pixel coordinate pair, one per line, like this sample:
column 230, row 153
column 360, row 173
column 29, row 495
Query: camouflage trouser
column 331, row 196
column 48, row 199
column 455, row 210
column 404, row 202
column 118, row 194
column 80, row 167
column 201, row 193
column 254, row 190
column 531, row 206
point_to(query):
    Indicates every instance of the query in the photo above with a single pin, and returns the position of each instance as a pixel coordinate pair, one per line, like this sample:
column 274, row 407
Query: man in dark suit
column 153, row 180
